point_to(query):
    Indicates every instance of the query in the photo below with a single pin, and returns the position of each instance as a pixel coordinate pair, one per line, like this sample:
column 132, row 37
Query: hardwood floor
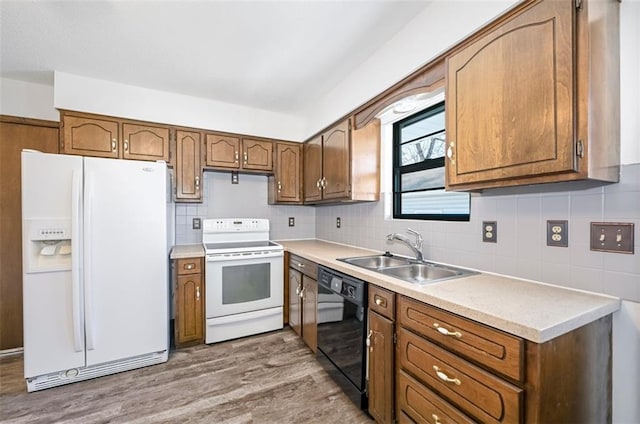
column 268, row 378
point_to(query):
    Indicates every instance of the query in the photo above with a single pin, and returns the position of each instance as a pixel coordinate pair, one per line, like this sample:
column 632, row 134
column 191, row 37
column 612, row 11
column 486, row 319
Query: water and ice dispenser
column 48, row 246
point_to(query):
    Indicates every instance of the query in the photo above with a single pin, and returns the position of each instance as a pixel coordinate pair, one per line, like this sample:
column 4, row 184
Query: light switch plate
column 558, row 233
column 616, row 237
column 490, row 231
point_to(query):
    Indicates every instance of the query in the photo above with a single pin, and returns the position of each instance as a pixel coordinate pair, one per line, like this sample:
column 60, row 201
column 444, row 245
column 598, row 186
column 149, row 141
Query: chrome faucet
column 416, row 247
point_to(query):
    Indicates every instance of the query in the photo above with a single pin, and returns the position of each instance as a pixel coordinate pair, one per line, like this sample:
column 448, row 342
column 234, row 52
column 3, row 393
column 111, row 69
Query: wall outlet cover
column 490, row 231
column 234, row 177
column 292, row 221
column 558, row 233
column 196, row 223
column 338, row 223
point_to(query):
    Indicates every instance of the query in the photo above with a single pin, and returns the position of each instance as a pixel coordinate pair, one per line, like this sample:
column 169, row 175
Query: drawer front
column 382, row 301
column 189, row 266
column 477, row 393
column 421, row 405
column 303, row 265
column 495, row 349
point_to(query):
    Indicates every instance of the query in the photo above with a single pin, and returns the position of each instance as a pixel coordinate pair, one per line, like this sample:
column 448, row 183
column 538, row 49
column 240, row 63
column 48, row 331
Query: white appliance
column 95, row 277
column 244, row 278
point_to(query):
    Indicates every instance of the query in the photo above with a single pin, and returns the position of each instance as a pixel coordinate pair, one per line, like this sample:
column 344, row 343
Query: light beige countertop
column 181, row 251
column 534, row 311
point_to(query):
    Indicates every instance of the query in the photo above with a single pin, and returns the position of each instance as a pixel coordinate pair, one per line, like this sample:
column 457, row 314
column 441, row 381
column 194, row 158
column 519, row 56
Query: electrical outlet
column 292, row 221
column 196, row 223
column 234, row 177
column 558, row 233
column 616, row 237
column 338, row 222
column 490, row 231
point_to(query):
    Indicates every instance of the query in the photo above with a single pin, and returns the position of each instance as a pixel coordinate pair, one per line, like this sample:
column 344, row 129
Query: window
column 418, row 170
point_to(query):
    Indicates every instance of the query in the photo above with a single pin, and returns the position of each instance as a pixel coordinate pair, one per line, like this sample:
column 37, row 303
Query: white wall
column 630, row 81
column 27, row 100
column 85, row 94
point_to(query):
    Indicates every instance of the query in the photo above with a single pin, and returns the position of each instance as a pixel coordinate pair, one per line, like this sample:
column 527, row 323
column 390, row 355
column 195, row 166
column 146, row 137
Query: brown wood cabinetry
column 232, row 152
column 285, row 185
column 189, row 301
column 381, row 354
column 103, row 136
column 188, row 167
column 459, row 370
column 303, row 295
column 343, row 164
column 534, row 98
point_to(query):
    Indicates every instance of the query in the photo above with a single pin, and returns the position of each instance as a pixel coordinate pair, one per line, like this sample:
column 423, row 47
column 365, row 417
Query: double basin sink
column 407, row 269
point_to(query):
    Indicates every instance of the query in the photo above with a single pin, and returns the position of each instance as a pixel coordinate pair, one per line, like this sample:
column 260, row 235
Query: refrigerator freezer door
column 125, row 249
column 53, row 312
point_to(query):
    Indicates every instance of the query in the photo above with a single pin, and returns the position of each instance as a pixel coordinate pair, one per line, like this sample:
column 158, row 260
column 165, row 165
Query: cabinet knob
column 189, row 266
column 444, row 377
column 114, row 144
column 126, row 145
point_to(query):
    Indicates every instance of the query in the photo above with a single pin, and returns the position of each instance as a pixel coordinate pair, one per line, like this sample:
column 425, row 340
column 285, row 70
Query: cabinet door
column 288, row 177
column 295, row 311
column 223, row 151
column 335, row 162
column 189, row 317
column 510, row 100
column 312, row 170
column 145, row 142
column 310, row 312
column 188, row 166
column 380, row 340
column 90, row 137
column 257, row 155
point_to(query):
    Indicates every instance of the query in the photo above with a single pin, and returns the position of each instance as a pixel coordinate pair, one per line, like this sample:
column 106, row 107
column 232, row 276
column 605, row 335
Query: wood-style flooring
column 268, row 378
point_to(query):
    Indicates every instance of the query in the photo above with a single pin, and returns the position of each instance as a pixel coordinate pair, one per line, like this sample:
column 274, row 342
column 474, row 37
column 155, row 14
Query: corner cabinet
column 303, row 296
column 188, row 167
column 534, row 98
column 231, row 152
column 343, row 164
column 285, row 185
column 189, row 301
column 103, row 136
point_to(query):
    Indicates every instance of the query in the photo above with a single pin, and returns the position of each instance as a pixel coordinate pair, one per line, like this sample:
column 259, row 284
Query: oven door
column 243, row 283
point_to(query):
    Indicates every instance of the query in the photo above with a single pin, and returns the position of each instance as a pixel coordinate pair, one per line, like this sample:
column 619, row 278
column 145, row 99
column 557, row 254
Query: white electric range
column 244, row 278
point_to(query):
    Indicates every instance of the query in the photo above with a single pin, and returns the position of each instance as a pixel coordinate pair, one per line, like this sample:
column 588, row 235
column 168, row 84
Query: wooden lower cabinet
column 303, row 297
column 381, row 367
column 189, row 302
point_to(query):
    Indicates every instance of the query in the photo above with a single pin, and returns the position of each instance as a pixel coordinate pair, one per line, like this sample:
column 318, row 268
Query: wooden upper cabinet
column 514, row 98
column 188, row 166
column 223, row 151
column 90, row 136
column 103, row 136
column 231, row 152
column 343, row 164
column 312, row 170
column 145, row 142
column 285, row 186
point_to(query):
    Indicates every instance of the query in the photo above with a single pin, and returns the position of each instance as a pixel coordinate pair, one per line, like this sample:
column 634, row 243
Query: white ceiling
column 274, row 55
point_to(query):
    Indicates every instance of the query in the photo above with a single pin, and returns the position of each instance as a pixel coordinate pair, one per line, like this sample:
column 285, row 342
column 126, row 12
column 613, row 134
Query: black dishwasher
column 342, row 325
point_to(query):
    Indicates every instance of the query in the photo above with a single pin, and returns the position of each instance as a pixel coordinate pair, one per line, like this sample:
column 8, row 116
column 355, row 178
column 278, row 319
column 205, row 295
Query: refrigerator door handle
column 76, row 258
column 88, row 258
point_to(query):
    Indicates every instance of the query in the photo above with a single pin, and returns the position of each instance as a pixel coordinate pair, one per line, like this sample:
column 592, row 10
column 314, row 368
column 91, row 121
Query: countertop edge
column 183, row 251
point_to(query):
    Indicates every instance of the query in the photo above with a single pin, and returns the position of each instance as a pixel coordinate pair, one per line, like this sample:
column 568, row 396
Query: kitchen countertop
column 181, row 251
column 534, row 311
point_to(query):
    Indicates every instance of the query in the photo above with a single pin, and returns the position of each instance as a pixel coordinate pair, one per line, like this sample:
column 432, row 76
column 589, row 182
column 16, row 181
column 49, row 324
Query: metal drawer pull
column 236, row 156
column 368, row 342
column 446, row 332
column 189, row 266
column 246, row 158
column 444, row 377
column 436, row 419
column 279, row 186
column 450, row 153
column 298, row 289
column 300, row 265
column 113, row 144
column 380, row 301
column 198, row 293
column 318, row 185
column 126, row 145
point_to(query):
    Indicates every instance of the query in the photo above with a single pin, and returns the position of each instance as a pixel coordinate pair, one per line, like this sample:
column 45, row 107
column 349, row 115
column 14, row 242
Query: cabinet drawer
column 421, row 405
column 382, row 301
column 303, row 265
column 495, row 349
column 479, row 394
column 189, row 266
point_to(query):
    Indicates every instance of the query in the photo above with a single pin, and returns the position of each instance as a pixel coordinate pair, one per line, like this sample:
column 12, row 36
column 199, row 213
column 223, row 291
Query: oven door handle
column 243, row 256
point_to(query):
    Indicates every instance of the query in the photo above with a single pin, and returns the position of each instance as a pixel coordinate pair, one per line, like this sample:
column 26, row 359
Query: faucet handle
column 418, row 237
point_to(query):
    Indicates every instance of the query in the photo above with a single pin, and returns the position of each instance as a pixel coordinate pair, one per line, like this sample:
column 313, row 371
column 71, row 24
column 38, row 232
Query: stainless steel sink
column 408, row 270
column 375, row 262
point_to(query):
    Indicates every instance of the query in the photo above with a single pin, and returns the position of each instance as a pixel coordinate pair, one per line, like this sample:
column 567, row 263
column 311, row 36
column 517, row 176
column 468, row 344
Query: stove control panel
column 232, row 225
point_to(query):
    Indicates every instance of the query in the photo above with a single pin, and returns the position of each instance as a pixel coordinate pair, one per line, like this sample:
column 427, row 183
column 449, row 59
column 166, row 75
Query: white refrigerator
column 95, row 267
